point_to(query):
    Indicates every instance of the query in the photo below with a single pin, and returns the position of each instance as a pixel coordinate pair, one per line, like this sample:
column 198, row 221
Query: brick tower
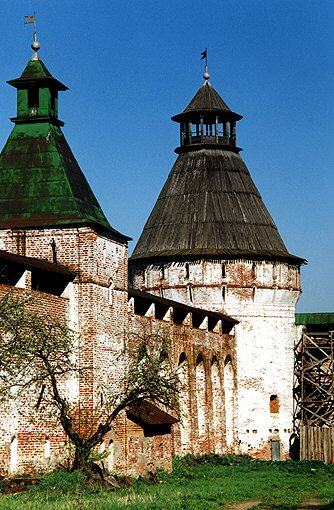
column 48, row 211
column 211, row 243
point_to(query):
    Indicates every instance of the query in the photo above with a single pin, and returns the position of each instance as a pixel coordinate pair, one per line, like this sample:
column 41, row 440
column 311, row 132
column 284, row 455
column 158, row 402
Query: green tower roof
column 41, row 183
column 36, row 71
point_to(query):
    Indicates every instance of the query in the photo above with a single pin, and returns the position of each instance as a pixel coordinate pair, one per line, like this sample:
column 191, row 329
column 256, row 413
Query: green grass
column 204, row 483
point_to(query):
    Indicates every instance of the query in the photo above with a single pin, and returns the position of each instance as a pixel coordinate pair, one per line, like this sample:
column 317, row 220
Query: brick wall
column 262, row 296
column 227, row 380
column 200, row 355
column 95, row 305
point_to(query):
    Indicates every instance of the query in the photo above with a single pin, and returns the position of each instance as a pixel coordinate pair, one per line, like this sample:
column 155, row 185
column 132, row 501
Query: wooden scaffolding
column 314, row 381
column 314, row 396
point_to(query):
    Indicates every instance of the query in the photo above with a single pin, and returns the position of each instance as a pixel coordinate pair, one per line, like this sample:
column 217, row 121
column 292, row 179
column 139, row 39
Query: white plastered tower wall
column 265, row 338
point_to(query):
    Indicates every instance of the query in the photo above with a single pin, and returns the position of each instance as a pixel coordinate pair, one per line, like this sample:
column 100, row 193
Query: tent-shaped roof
column 209, row 205
column 41, row 183
column 36, row 71
column 207, row 100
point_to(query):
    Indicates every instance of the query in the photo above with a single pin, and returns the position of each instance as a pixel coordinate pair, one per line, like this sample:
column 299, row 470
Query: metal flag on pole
column 30, row 19
column 35, row 44
column 204, row 55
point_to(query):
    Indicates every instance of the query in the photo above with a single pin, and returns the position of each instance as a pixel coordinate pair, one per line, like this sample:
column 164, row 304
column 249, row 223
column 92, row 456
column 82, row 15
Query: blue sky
column 131, row 65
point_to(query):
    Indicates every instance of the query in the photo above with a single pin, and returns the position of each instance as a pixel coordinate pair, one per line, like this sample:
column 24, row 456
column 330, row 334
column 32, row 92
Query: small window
column 111, row 291
column 163, row 355
column 186, row 270
column 53, row 94
column 254, row 293
column 33, row 100
column 274, row 404
column 223, row 270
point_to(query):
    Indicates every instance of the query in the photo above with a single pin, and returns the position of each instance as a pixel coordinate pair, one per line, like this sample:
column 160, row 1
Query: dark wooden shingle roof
column 210, row 206
column 207, row 100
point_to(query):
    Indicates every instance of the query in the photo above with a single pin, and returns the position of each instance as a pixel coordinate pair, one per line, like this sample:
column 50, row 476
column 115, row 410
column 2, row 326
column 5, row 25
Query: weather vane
column 204, row 55
column 35, row 44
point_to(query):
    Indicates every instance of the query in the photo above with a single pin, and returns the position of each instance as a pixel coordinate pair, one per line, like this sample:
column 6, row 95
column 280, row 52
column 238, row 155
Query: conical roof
column 207, row 100
column 41, row 183
column 209, row 205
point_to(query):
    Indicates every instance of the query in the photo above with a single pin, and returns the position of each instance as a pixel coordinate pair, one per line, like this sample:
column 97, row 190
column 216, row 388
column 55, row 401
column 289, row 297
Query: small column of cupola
column 207, row 121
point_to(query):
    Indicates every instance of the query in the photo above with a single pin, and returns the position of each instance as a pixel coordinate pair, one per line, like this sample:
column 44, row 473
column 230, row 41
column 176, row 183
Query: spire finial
column 204, row 54
column 35, row 44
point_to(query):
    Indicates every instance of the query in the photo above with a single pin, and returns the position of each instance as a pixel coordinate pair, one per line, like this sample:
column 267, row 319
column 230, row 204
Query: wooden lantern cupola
column 37, row 92
column 207, row 121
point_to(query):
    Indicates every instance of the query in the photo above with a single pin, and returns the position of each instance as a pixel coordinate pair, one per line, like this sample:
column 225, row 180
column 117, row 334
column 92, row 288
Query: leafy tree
column 39, row 353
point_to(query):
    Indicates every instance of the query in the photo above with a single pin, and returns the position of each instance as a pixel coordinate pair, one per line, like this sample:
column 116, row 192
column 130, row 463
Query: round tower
column 210, row 242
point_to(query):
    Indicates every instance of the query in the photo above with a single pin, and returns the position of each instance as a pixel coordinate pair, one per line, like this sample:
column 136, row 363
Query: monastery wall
column 207, row 370
column 262, row 296
column 29, row 445
column 96, row 308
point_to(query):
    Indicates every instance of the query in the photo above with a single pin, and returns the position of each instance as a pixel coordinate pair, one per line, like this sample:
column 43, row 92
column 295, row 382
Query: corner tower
column 49, row 213
column 211, row 242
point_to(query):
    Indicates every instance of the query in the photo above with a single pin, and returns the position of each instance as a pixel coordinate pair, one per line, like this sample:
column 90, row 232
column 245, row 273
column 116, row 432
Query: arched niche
column 217, row 405
column 229, row 400
column 185, row 423
column 201, row 396
column 13, row 454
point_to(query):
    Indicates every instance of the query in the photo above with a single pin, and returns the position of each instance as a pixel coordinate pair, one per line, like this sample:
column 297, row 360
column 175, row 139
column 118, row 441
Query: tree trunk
column 81, row 456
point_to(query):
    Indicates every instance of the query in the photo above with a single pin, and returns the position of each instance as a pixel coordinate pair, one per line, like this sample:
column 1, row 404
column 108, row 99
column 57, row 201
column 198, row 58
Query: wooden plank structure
column 314, row 395
column 317, row 443
column 314, row 381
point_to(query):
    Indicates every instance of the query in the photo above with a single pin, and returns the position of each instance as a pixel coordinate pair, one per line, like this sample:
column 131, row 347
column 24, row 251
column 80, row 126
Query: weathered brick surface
column 227, row 380
column 262, row 296
column 95, row 305
column 16, row 428
column 200, row 355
